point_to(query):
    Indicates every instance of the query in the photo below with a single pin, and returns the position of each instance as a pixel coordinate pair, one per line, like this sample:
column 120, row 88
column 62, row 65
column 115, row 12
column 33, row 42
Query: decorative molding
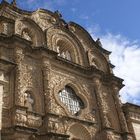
column 30, row 120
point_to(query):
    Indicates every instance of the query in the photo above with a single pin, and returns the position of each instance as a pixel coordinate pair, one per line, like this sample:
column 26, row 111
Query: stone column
column 19, row 56
column 46, row 78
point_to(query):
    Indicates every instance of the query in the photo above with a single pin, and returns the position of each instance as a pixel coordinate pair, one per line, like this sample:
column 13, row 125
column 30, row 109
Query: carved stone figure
column 58, row 50
column 25, row 35
column 28, row 101
column 92, row 59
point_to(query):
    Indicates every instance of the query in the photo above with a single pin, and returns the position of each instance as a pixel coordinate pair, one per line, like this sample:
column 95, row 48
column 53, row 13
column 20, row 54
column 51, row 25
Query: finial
column 14, row 3
column 58, row 13
column 99, row 42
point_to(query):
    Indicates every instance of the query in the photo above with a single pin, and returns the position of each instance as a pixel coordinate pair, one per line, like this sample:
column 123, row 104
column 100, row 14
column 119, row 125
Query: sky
column 116, row 23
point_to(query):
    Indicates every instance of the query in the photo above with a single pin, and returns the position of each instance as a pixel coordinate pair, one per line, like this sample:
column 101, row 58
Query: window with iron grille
column 69, row 98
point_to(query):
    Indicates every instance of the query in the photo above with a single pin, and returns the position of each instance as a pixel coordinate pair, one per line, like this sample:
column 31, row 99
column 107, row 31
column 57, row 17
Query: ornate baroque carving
column 102, row 103
column 19, row 56
column 28, row 120
column 89, row 116
column 57, row 126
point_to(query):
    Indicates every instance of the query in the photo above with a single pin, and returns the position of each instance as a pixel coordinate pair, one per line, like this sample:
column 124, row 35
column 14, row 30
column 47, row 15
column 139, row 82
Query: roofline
column 21, row 11
column 5, row 3
column 90, row 37
column 131, row 104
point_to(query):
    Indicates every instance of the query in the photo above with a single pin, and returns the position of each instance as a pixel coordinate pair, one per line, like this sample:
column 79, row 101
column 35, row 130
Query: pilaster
column 19, row 57
column 123, row 124
column 103, row 107
column 46, row 77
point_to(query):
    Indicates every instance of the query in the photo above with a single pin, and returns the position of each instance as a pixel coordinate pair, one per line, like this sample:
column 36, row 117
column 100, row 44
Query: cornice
column 7, row 19
column 90, row 38
column 16, row 9
column 14, row 38
column 45, row 52
column 77, row 119
column 131, row 106
column 6, row 65
column 4, row 61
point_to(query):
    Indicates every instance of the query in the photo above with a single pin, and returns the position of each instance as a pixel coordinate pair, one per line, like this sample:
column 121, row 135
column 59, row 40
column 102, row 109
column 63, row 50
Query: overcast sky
column 116, row 23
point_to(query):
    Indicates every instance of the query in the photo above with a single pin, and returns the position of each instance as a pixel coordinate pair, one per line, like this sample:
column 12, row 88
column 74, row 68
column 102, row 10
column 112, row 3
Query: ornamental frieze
column 90, row 117
column 8, row 13
column 27, row 119
column 57, row 125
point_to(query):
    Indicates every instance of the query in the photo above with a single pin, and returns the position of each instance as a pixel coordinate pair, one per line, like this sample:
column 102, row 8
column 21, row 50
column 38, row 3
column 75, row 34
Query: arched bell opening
column 65, row 50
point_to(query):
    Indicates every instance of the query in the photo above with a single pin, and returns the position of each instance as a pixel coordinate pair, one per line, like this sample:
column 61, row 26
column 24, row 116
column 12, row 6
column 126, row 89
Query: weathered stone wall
column 41, row 54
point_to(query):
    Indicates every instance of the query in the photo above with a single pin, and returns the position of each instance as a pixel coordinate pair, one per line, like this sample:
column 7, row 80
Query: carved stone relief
column 58, row 81
column 90, row 117
column 27, row 119
column 29, row 30
column 57, row 125
column 92, row 59
column 92, row 130
column 110, row 137
column 19, row 57
column 26, row 81
column 6, row 28
column 44, row 20
column 54, row 106
column 26, row 35
column 11, row 14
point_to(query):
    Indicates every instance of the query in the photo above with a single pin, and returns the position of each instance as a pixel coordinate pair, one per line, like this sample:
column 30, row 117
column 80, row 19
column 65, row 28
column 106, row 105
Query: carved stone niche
column 24, row 118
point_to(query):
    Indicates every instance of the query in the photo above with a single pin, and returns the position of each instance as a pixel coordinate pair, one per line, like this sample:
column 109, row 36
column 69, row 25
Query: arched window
column 65, row 49
column 69, row 98
column 64, row 53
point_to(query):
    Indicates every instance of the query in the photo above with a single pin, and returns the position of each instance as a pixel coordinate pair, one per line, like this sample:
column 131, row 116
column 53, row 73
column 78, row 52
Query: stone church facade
column 56, row 82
